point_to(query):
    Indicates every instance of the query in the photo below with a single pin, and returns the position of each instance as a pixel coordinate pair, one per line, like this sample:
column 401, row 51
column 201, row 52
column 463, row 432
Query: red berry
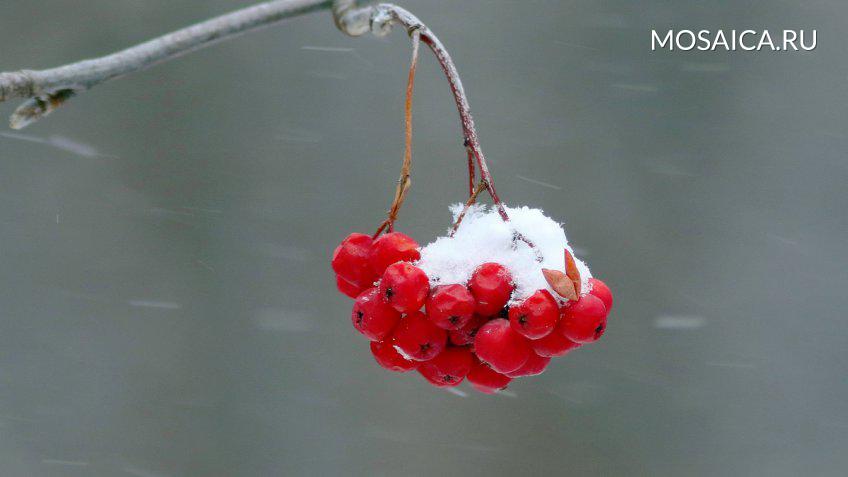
column 450, row 306
column 351, row 260
column 602, row 291
column 405, row 287
column 491, row 285
column 465, row 335
column 449, row 368
column 584, row 320
column 418, row 339
column 554, row 345
column 347, row 288
column 499, row 345
column 535, row 365
column 487, row 380
column 372, row 317
column 387, row 356
column 390, row 248
column 536, row 316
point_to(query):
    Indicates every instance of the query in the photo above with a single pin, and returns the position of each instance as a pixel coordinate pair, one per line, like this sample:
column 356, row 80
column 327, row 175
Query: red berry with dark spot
column 535, row 365
column 387, row 356
column 372, row 317
column 501, row 346
column 351, row 260
column 449, row 368
column 491, row 285
column 554, row 345
column 486, row 380
column 418, row 339
column 347, row 287
column 536, row 316
column 390, row 248
column 584, row 320
column 450, row 306
column 405, row 287
column 602, row 291
column 465, row 335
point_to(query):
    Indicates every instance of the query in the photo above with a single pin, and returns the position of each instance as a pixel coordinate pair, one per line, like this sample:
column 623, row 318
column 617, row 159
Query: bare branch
column 48, row 89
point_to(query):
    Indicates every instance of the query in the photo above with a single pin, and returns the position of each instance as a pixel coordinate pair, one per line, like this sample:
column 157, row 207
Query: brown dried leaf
column 560, row 283
column 572, row 271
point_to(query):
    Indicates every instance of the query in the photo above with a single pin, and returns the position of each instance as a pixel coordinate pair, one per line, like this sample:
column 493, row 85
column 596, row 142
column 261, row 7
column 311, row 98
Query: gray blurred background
column 166, row 302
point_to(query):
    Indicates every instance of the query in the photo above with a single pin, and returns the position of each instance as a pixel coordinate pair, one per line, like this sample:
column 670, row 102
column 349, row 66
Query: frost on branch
column 484, row 237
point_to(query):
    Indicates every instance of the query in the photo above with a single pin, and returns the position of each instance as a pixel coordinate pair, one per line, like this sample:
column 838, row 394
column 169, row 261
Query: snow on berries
column 483, row 237
column 493, row 301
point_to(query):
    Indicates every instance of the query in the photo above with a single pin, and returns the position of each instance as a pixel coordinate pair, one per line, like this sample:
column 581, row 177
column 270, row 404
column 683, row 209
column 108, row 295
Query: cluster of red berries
column 466, row 331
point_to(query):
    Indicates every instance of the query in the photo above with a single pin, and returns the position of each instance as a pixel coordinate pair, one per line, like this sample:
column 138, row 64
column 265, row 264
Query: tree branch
column 48, row 89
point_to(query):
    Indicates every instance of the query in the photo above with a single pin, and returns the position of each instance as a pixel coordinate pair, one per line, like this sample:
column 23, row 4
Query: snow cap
column 484, row 237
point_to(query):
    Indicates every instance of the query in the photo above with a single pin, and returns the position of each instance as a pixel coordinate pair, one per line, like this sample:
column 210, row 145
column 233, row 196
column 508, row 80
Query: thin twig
column 471, row 200
column 470, row 170
column 404, row 181
column 46, row 90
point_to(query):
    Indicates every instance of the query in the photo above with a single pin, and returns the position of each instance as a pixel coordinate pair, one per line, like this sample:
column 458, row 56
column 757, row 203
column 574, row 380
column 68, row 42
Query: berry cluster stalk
column 356, row 21
column 404, row 181
column 379, row 19
column 469, row 131
column 470, row 139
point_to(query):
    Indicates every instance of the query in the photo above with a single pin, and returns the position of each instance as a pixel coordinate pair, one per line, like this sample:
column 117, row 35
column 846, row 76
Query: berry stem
column 471, row 199
column 470, row 171
column 468, row 129
column 379, row 19
column 404, row 181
